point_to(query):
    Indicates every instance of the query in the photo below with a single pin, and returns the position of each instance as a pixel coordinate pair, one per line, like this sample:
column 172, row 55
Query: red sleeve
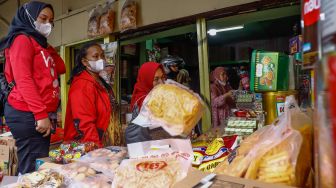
column 60, row 66
column 21, row 58
column 82, row 98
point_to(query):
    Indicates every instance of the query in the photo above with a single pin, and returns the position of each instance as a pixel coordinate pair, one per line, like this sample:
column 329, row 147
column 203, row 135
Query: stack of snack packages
column 279, row 153
column 208, row 153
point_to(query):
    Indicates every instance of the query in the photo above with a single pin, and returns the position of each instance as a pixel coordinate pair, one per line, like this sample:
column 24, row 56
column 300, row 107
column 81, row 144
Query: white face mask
column 221, row 82
column 44, row 29
column 97, row 66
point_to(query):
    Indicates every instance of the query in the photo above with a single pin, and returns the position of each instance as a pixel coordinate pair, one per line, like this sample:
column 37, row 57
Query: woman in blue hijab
column 23, row 23
column 33, row 67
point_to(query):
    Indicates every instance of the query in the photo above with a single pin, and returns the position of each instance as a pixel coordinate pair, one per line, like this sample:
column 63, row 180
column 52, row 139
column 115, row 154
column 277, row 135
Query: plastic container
column 274, row 104
column 269, row 71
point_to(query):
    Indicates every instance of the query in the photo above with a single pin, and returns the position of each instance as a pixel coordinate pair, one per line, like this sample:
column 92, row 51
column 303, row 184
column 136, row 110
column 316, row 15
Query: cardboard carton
column 8, row 155
column 194, row 177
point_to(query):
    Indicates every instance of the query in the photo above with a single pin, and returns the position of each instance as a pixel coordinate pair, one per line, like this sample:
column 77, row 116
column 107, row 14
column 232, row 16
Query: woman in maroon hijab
column 221, row 96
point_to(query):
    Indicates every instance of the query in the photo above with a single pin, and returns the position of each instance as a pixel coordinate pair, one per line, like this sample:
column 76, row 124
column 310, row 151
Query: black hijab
column 23, row 24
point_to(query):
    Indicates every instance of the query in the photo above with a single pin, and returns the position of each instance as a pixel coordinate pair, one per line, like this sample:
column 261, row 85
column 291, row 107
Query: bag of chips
column 128, row 16
column 106, row 22
column 274, row 154
column 94, row 21
column 171, row 106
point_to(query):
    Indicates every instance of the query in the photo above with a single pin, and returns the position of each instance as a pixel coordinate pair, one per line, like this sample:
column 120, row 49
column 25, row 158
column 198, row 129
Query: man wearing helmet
column 171, row 65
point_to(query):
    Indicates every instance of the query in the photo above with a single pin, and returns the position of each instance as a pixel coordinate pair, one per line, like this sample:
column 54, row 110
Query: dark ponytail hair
column 79, row 67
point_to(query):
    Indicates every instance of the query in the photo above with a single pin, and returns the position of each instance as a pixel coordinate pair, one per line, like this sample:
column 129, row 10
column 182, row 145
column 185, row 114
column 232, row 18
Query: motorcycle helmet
column 170, row 61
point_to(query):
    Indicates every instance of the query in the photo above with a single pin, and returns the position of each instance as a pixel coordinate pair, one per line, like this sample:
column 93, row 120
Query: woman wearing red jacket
column 91, row 101
column 34, row 66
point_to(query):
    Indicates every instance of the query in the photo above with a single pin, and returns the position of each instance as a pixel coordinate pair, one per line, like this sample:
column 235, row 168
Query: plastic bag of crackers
column 173, row 107
column 275, row 153
column 155, row 164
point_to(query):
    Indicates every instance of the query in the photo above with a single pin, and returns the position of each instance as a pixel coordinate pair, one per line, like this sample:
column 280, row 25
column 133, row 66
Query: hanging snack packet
column 106, row 24
column 128, row 16
column 94, row 21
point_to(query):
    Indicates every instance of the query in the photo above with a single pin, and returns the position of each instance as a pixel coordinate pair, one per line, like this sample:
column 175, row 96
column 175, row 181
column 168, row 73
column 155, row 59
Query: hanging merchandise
column 110, row 50
column 128, row 16
column 106, row 24
column 94, row 21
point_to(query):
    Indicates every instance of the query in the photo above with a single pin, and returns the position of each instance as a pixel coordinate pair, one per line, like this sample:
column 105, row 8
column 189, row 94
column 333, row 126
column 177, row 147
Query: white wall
column 72, row 15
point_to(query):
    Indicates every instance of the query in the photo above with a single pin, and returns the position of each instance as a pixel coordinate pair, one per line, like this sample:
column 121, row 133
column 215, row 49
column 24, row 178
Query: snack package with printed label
column 159, row 163
column 217, row 152
column 154, row 173
column 173, row 107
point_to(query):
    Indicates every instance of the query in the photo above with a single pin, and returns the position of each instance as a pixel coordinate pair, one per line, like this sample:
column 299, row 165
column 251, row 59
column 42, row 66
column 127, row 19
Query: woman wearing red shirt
column 34, row 66
column 91, row 101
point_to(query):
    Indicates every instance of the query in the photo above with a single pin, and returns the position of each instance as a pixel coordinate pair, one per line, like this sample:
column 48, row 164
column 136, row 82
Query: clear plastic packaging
column 82, row 175
column 105, row 160
column 128, row 16
column 153, row 173
column 41, row 179
column 275, row 153
column 106, row 22
column 111, row 152
column 94, row 21
column 171, row 106
column 156, row 164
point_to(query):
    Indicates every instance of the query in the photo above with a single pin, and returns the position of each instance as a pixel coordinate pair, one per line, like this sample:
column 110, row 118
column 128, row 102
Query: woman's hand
column 43, row 126
column 229, row 94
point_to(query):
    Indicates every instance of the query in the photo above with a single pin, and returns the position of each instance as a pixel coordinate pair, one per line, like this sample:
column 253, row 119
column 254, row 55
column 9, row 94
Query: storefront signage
column 311, row 11
column 311, row 16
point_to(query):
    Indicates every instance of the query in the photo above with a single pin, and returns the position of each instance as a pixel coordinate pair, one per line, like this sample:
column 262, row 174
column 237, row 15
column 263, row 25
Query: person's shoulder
column 81, row 82
column 21, row 39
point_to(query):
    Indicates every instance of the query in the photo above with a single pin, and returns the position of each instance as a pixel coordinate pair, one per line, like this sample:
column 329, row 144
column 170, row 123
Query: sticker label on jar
column 280, row 108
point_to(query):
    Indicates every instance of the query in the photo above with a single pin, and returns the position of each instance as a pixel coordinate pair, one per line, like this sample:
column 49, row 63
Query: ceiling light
column 213, row 32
